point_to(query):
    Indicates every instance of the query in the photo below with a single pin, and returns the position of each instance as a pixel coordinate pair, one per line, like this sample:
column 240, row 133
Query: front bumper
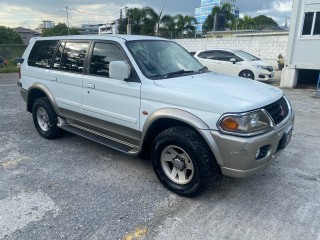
column 264, row 75
column 238, row 154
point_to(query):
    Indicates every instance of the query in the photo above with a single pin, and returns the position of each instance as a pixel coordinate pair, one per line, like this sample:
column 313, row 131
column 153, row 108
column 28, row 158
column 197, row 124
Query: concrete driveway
column 71, row 188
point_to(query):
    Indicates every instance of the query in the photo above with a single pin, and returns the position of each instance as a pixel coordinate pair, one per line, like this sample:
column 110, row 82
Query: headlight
column 258, row 66
column 245, row 124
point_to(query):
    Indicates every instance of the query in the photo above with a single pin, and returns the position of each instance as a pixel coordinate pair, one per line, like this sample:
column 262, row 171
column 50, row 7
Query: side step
column 99, row 138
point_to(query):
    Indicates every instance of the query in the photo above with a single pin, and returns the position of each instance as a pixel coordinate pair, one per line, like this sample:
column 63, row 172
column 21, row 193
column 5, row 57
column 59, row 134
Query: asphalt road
column 71, row 188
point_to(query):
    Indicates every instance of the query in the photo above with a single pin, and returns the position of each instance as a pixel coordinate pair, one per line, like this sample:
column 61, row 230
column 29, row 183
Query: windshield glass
column 163, row 59
column 246, row 56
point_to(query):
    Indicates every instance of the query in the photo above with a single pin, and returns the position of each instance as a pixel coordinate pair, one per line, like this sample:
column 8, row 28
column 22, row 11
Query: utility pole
column 68, row 20
column 129, row 21
column 160, row 17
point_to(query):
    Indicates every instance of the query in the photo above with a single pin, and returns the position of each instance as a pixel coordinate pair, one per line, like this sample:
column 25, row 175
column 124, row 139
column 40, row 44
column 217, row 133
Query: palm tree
column 224, row 9
column 248, row 23
column 185, row 24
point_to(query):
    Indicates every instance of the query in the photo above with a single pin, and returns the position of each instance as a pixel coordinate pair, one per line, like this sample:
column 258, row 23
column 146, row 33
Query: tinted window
column 225, row 56
column 73, row 56
column 57, row 59
column 103, row 54
column 210, row 55
column 307, row 25
column 42, row 53
column 317, row 24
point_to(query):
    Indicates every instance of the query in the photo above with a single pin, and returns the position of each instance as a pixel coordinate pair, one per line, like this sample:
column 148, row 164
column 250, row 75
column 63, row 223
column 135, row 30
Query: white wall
column 265, row 47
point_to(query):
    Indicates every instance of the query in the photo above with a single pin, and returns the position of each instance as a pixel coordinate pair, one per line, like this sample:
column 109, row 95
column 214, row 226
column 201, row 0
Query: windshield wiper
column 170, row 74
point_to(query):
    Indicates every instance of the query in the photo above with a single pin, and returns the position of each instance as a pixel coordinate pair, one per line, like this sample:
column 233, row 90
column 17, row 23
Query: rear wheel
column 247, row 74
column 45, row 119
column 183, row 162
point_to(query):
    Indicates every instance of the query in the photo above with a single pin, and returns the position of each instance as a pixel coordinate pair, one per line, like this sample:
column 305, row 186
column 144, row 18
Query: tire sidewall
column 158, row 147
column 247, row 71
column 52, row 118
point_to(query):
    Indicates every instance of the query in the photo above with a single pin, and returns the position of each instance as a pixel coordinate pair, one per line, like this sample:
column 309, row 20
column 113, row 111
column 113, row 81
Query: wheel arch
column 163, row 119
column 39, row 90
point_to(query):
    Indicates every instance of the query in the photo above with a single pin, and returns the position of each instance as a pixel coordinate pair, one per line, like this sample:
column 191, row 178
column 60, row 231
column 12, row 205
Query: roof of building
column 25, row 30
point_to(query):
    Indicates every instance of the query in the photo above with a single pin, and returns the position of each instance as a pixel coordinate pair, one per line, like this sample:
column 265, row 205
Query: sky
column 30, row 13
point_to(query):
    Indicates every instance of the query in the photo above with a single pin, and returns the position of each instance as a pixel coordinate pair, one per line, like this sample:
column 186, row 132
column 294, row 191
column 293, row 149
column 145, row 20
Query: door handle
column 90, row 85
column 54, row 79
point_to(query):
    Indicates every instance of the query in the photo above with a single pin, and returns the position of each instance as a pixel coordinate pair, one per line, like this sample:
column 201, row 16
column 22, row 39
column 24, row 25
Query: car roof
column 219, row 49
column 114, row 37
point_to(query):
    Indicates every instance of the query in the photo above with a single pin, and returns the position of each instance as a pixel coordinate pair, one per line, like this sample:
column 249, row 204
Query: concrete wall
column 265, row 47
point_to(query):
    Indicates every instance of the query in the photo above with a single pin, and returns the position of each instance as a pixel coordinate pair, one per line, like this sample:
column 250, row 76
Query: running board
column 96, row 137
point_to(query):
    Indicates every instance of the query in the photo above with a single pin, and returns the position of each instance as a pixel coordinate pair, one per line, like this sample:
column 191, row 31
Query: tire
column 247, row 74
column 183, row 162
column 45, row 119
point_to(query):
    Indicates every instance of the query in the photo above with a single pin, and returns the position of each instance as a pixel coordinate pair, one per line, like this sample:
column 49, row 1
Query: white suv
column 235, row 63
column 149, row 97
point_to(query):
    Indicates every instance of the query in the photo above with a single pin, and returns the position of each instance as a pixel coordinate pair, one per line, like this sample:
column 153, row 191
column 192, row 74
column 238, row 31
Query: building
column 90, row 28
column 302, row 64
column 26, row 34
column 202, row 12
column 109, row 28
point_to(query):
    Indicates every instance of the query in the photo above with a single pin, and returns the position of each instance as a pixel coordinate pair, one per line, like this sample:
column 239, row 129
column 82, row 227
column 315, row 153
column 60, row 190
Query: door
column 209, row 59
column 224, row 66
column 67, row 72
column 107, row 102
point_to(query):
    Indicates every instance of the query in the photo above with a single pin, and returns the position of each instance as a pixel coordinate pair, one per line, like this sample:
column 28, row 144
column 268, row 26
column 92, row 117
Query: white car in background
column 235, row 63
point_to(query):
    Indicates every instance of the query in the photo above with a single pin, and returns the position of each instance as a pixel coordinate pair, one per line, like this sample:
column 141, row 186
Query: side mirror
column 233, row 60
column 119, row 70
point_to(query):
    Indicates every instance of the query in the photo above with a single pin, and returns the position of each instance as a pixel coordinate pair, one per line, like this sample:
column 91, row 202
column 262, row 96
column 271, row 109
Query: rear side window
column 210, row 55
column 103, row 54
column 42, row 53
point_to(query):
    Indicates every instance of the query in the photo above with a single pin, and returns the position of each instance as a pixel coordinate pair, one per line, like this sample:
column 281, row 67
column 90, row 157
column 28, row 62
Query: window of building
column 103, row 54
column 42, row 53
column 311, row 24
column 73, row 56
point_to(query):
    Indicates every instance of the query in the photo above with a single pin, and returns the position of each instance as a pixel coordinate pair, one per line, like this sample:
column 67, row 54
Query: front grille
column 278, row 110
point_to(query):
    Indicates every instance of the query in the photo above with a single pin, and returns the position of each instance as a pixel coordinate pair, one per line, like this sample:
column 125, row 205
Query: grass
column 11, row 67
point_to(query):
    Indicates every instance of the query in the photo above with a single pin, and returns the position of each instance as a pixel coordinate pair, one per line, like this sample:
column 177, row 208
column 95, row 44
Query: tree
column 264, row 21
column 9, row 36
column 59, row 30
column 185, row 24
column 225, row 9
column 248, row 23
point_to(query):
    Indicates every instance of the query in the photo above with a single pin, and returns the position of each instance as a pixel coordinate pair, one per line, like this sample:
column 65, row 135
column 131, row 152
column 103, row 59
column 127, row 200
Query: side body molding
column 46, row 91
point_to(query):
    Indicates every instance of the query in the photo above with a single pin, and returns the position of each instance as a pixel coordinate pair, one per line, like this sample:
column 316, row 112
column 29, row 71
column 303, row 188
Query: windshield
column 159, row 59
column 246, row 56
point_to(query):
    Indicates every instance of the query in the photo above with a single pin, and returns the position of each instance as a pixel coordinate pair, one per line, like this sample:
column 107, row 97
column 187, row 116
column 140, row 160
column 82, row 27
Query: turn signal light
column 229, row 124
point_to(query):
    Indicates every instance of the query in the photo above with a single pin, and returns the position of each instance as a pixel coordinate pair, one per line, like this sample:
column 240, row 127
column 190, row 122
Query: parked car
column 148, row 96
column 235, row 63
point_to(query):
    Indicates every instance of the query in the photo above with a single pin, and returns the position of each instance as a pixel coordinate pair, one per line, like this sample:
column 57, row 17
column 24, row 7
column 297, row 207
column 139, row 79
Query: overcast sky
column 30, row 13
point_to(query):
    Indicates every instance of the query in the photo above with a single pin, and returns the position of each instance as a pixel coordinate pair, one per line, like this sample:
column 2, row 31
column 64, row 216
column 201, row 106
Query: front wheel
column 183, row 162
column 247, row 74
column 45, row 118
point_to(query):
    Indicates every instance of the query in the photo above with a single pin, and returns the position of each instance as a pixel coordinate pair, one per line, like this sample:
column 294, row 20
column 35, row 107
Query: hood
column 232, row 94
column 260, row 63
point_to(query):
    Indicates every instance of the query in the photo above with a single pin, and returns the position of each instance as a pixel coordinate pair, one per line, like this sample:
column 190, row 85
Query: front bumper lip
column 238, row 154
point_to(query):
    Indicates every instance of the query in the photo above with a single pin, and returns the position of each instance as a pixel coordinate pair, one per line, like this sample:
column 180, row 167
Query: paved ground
column 71, row 188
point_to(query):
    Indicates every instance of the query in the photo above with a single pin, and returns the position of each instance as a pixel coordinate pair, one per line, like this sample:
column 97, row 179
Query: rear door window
column 210, row 55
column 73, row 57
